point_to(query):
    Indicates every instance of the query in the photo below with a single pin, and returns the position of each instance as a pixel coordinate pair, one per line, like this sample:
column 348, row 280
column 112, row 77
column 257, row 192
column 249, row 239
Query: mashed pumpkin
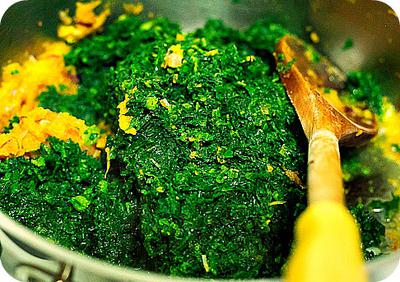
column 389, row 133
column 85, row 21
column 39, row 124
column 22, row 83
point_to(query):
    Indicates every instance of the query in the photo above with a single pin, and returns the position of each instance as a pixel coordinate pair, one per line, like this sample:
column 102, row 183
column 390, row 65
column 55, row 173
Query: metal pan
column 373, row 28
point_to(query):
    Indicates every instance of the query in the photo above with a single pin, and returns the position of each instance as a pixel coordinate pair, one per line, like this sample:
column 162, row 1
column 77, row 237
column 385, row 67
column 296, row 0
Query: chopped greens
column 82, row 106
column 396, row 148
column 264, row 35
column 389, row 208
column 12, row 123
column 95, row 59
column 202, row 162
column 59, row 195
column 204, row 173
column 373, row 232
column 363, row 87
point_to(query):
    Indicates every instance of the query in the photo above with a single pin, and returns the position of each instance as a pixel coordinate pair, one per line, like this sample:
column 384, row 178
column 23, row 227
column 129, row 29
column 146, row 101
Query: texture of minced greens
column 206, row 188
column 83, row 106
column 12, row 122
column 202, row 163
column 373, row 232
column 211, row 166
column 364, row 87
column 61, row 194
column 362, row 167
column 95, row 58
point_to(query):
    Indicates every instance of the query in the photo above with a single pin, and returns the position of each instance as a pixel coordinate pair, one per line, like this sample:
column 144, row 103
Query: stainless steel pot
column 373, row 28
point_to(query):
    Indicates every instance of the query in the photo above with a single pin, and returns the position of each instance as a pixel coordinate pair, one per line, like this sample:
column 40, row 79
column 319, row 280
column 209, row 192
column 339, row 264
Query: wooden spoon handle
column 327, row 246
column 327, row 240
column 325, row 182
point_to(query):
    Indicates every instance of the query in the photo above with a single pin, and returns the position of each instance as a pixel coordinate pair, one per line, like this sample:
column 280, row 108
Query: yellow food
column 314, row 37
column 123, row 119
column 174, row 57
column 108, row 157
column 22, row 83
column 293, row 176
column 211, row 53
column 389, row 132
column 85, row 21
column 36, row 126
column 133, row 8
column 180, row 37
column 389, row 135
column 333, row 97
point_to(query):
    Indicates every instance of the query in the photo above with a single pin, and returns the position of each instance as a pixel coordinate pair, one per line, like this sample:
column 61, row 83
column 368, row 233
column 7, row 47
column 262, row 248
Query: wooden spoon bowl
column 304, row 81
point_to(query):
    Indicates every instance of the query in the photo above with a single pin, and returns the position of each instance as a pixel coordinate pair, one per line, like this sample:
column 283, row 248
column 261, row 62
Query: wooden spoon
column 327, row 241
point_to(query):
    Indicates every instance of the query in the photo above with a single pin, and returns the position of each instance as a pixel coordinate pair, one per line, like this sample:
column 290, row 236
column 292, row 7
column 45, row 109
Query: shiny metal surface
column 374, row 30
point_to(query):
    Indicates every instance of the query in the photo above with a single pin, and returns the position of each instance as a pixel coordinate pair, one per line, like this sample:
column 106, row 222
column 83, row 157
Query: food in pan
column 167, row 151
